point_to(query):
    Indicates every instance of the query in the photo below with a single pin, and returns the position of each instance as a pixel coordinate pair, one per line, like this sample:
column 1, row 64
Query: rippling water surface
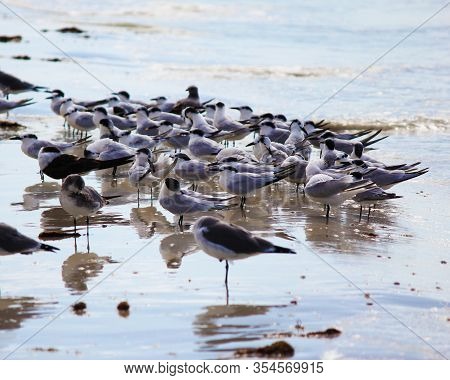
column 376, row 281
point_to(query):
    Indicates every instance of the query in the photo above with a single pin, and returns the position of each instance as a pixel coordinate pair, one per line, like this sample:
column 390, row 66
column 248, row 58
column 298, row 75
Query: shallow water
column 286, row 58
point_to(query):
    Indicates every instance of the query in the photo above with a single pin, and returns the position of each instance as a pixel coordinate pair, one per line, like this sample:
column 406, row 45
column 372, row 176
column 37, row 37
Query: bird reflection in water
column 35, row 194
column 148, row 220
column 223, row 328
column 58, row 224
column 175, row 247
column 349, row 236
column 15, row 310
column 81, row 267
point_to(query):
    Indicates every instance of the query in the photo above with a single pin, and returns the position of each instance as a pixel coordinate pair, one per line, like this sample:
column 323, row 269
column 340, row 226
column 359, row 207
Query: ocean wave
column 158, row 10
column 231, row 71
column 417, row 123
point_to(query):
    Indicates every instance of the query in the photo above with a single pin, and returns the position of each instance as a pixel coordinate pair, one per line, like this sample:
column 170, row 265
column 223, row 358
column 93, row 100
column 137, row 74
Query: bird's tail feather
column 361, row 134
column 278, row 249
column 50, row 248
column 115, row 162
column 371, row 142
column 82, row 141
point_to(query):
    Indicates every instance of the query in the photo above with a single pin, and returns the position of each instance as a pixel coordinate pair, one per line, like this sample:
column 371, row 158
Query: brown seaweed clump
column 328, row 333
column 79, row 308
column 23, row 57
column 71, row 29
column 276, row 350
column 124, row 309
column 5, row 39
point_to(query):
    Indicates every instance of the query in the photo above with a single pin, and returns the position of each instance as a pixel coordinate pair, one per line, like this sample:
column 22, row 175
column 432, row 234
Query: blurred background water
column 284, row 56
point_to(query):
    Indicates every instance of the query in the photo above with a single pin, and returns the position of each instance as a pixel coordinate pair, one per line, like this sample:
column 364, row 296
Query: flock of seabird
column 169, row 145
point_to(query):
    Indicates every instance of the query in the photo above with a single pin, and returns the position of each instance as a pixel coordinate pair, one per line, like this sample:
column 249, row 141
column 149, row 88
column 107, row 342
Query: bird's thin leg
column 114, row 171
column 296, row 190
column 138, row 197
column 87, row 234
column 42, row 175
column 360, row 212
column 75, row 225
column 226, row 279
column 227, row 266
column 368, row 214
column 180, row 220
column 227, row 293
column 151, row 196
column 328, row 212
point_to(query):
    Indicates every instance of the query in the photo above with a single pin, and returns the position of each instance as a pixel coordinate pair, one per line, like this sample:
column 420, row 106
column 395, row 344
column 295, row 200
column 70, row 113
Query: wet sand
column 383, row 283
column 176, row 292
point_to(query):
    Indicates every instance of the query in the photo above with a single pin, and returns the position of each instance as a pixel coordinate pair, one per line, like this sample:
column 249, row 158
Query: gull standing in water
column 269, row 153
column 58, row 99
column 140, row 172
column 297, row 138
column 31, row 145
column 268, row 128
column 163, row 103
column 8, row 105
column 146, row 126
column 387, row 178
column 201, row 146
column 79, row 200
column 146, row 172
column 327, row 190
column 136, row 141
column 242, row 184
column 192, row 100
column 210, row 110
column 180, row 201
column 12, row 241
column 245, row 112
column 58, row 165
column 346, row 146
column 358, row 154
column 199, row 121
column 155, row 113
column 82, row 121
column 299, row 175
column 193, row 170
column 224, row 123
column 9, row 84
column 125, row 97
column 123, row 123
column 229, row 242
column 371, row 197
